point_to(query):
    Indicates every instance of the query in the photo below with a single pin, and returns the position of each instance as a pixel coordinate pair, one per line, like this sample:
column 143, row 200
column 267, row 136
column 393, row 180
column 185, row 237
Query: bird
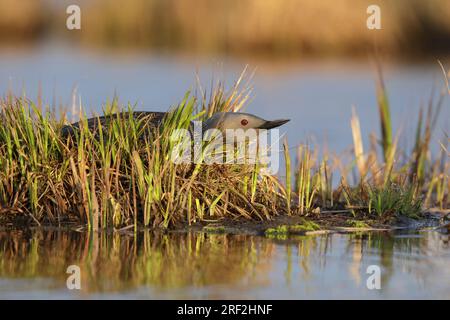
column 221, row 121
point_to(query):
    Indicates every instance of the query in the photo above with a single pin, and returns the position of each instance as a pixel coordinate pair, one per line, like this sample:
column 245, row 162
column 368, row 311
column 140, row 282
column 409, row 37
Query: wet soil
column 329, row 222
column 332, row 221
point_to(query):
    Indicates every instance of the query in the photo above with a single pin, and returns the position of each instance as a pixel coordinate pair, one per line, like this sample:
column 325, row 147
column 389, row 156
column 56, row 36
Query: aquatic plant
column 306, row 183
column 357, row 224
column 398, row 185
column 284, row 230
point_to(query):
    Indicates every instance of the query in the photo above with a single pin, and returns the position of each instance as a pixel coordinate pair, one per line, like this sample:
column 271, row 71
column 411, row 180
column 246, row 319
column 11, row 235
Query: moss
column 305, row 226
column 357, row 224
column 285, row 230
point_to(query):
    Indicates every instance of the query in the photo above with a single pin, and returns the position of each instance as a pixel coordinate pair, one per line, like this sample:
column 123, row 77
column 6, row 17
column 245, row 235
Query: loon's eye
column 244, row 122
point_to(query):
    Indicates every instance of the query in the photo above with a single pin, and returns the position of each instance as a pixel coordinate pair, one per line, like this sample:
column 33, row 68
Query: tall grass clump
column 122, row 174
column 403, row 186
column 306, row 184
column 399, row 182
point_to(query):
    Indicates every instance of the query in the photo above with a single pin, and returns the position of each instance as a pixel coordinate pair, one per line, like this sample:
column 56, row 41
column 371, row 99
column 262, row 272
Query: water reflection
column 197, row 265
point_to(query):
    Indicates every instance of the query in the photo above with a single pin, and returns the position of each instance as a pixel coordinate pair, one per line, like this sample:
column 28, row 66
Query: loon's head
column 238, row 120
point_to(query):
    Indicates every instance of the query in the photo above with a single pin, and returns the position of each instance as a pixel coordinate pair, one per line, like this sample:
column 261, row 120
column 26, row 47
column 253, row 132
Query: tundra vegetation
column 113, row 179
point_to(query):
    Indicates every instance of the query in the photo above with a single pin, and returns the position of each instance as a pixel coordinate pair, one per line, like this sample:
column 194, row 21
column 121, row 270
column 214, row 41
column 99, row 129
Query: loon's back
column 151, row 119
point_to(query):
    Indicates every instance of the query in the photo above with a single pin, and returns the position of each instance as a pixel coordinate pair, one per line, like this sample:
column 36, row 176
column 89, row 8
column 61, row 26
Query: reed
column 385, row 116
column 306, row 184
column 288, row 193
column 400, row 185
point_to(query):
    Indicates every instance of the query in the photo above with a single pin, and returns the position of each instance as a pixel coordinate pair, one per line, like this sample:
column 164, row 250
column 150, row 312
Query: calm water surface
column 196, row 265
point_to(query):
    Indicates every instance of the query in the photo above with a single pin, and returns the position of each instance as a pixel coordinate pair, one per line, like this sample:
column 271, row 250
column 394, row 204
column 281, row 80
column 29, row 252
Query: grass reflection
column 215, row 263
column 111, row 262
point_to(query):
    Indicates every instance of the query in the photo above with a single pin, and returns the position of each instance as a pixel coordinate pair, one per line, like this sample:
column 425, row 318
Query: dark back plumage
column 151, row 120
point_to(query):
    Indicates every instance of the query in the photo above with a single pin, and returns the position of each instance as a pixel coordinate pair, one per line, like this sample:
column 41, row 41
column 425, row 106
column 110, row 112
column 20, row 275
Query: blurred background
column 312, row 60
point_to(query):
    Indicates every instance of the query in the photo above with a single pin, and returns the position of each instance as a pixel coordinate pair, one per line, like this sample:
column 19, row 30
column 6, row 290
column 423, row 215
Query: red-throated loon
column 221, row 121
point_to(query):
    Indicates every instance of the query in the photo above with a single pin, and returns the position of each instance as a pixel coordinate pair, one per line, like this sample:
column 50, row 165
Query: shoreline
column 280, row 226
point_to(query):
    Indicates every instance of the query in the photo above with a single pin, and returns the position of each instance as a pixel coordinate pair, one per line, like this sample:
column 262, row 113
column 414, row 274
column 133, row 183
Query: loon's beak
column 273, row 124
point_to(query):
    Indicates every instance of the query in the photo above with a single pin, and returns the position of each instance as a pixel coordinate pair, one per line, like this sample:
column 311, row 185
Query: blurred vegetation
column 288, row 27
column 22, row 20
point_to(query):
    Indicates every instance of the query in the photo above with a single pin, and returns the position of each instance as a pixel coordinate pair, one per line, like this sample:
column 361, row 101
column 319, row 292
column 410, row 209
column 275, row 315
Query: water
column 33, row 264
